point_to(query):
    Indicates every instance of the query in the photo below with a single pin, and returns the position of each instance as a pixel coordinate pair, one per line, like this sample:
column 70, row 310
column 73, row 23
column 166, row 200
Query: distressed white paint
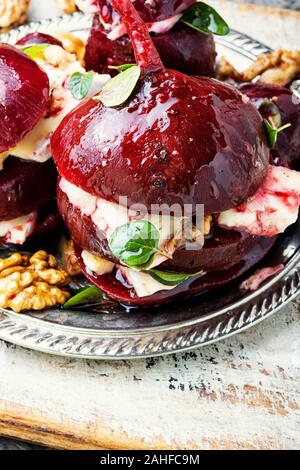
column 241, row 393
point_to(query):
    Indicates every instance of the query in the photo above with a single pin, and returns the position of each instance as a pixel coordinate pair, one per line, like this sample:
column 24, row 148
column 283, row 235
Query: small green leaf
column 170, row 278
column 117, row 90
column 270, row 111
column 135, row 243
column 85, row 296
column 80, row 84
column 35, row 51
column 205, row 19
column 121, row 68
column 273, row 132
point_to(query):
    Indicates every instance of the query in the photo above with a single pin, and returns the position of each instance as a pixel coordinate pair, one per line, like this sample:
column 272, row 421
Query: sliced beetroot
column 287, row 151
column 182, row 48
column 39, row 38
column 25, row 187
column 24, row 93
column 222, row 250
column 119, row 291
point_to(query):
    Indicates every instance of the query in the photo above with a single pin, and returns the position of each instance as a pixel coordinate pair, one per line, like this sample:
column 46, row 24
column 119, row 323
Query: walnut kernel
column 32, row 283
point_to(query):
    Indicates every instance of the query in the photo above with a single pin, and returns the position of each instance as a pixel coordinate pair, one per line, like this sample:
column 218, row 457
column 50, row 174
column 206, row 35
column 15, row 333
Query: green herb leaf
column 170, row 278
column 273, row 132
column 117, row 90
column 205, row 19
column 85, row 296
column 80, row 84
column 35, row 51
column 270, row 111
column 121, row 68
column 135, row 243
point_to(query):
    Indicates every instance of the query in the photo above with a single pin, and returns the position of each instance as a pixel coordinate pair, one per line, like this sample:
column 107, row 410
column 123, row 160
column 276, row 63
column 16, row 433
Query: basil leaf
column 117, row 90
column 121, row 68
column 80, row 84
column 170, row 278
column 135, row 243
column 85, row 296
column 35, row 51
column 273, row 132
column 205, row 19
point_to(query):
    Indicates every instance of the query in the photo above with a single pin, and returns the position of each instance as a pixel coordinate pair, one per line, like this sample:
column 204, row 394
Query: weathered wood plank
column 241, row 393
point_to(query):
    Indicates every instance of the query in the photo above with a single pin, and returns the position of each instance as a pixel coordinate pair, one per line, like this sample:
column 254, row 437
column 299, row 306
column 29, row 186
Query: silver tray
column 109, row 331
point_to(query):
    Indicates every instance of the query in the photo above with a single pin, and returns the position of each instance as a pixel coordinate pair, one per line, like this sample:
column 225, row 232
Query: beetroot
column 115, row 288
column 287, row 151
column 24, row 93
column 181, row 48
column 38, row 38
column 176, row 140
column 17, row 180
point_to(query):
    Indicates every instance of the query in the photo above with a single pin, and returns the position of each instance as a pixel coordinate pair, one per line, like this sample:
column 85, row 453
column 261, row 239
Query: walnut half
column 12, row 13
column 278, row 68
column 32, row 283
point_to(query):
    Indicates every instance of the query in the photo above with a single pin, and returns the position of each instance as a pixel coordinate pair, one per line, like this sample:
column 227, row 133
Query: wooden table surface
column 242, row 393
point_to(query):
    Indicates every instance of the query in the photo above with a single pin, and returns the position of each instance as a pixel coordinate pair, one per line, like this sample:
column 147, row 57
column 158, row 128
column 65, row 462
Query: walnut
column 58, row 57
column 12, row 13
column 279, row 68
column 72, row 44
column 227, row 71
column 68, row 257
column 68, row 6
column 32, row 283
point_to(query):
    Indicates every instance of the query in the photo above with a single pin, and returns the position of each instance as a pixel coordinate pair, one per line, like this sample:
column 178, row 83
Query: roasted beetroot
column 17, row 180
column 24, row 93
column 175, row 140
column 181, row 48
column 287, row 151
column 38, row 38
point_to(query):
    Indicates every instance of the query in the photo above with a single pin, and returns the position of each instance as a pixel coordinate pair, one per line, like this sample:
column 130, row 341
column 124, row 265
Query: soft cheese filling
column 17, row 231
column 108, row 216
column 59, row 66
column 143, row 284
column 273, row 208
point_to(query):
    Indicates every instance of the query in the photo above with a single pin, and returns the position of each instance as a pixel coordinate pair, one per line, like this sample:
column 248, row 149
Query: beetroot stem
column 145, row 52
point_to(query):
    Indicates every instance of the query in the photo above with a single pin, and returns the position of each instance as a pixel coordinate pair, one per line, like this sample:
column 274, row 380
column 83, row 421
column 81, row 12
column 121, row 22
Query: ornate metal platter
column 109, row 331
